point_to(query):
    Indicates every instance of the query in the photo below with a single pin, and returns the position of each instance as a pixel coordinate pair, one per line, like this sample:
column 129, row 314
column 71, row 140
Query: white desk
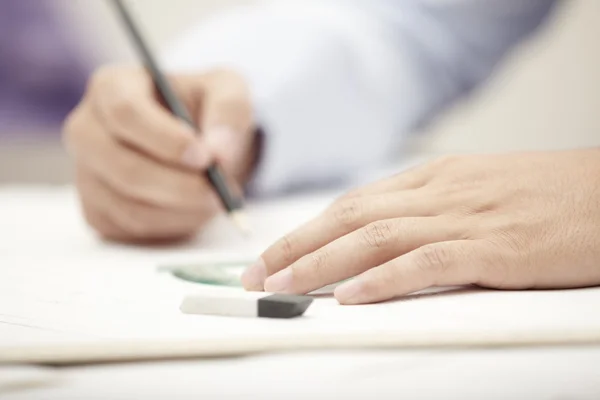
column 45, row 247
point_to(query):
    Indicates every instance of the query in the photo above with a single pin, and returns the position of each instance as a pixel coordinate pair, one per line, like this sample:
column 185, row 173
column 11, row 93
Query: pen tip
column 241, row 221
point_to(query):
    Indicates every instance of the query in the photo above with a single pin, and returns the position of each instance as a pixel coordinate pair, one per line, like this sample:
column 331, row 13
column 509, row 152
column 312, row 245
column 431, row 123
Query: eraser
column 246, row 304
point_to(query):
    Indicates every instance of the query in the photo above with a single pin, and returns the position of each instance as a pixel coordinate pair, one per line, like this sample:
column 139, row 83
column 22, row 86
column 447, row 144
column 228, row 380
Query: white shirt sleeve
column 338, row 85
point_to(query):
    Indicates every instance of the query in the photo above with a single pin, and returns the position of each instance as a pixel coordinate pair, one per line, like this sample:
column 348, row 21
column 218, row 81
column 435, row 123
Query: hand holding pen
column 144, row 171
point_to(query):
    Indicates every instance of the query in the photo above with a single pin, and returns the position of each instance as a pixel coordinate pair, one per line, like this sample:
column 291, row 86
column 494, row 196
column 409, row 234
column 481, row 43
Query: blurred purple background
column 42, row 73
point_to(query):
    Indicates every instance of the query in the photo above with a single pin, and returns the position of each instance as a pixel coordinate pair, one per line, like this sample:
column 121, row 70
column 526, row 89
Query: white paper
column 60, row 284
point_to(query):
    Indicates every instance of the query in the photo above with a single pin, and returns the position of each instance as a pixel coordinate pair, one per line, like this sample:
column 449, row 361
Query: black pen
column 232, row 204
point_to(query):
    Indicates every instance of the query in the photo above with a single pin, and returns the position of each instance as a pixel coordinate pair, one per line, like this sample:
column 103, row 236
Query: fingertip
column 349, row 293
column 281, row 282
column 253, row 277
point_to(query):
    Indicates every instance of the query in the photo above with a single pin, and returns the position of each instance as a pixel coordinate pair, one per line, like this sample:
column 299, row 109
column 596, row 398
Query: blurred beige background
column 546, row 96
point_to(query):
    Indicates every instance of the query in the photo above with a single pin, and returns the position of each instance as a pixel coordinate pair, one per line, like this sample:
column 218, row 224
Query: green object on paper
column 220, row 273
column 210, row 273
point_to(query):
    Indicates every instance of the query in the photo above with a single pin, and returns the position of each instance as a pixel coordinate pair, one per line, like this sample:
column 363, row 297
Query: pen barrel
column 217, row 178
column 168, row 96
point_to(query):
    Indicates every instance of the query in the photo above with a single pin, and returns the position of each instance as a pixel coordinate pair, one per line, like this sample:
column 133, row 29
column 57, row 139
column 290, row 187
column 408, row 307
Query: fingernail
column 195, row 156
column 254, row 276
column 349, row 292
column 280, row 282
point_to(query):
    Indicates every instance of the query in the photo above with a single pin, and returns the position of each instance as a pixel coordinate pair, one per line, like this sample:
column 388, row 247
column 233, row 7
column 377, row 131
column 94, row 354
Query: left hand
column 511, row 221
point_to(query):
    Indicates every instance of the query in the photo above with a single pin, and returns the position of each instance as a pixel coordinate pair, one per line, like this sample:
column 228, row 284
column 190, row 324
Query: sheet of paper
column 60, row 284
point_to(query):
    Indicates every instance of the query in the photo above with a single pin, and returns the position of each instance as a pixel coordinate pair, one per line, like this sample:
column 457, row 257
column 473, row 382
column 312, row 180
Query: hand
column 139, row 167
column 514, row 221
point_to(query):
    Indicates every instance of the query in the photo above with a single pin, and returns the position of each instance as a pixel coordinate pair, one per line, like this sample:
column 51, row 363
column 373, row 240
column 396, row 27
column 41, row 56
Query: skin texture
column 139, row 169
column 506, row 221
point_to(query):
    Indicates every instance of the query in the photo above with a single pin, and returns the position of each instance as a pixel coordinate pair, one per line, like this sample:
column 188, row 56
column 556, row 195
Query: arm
column 337, row 85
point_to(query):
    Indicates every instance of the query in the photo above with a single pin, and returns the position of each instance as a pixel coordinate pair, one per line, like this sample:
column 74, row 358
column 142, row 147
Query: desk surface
column 44, row 242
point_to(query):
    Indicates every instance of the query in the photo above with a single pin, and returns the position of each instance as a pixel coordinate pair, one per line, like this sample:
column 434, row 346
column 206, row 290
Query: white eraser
column 246, row 304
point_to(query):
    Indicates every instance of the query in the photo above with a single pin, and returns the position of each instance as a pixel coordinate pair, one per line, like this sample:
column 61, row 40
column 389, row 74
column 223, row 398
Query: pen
column 232, row 204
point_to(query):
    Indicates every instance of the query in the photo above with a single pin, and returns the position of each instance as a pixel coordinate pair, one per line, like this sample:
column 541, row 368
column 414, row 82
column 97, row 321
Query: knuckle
column 377, row 234
column 108, row 87
column 121, row 106
column 347, row 212
column 286, row 247
column 471, row 209
column 319, row 261
column 433, row 259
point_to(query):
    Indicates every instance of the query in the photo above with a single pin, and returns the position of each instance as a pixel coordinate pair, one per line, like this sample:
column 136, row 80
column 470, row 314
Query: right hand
column 139, row 168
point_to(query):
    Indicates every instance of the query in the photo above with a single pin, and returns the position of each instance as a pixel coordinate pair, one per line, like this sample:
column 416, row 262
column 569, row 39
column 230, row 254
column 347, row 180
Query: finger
column 343, row 217
column 94, row 213
column 105, row 226
column 227, row 117
column 226, row 101
column 132, row 174
column 125, row 102
column 411, row 178
column 446, row 263
column 361, row 250
column 138, row 221
column 414, row 177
